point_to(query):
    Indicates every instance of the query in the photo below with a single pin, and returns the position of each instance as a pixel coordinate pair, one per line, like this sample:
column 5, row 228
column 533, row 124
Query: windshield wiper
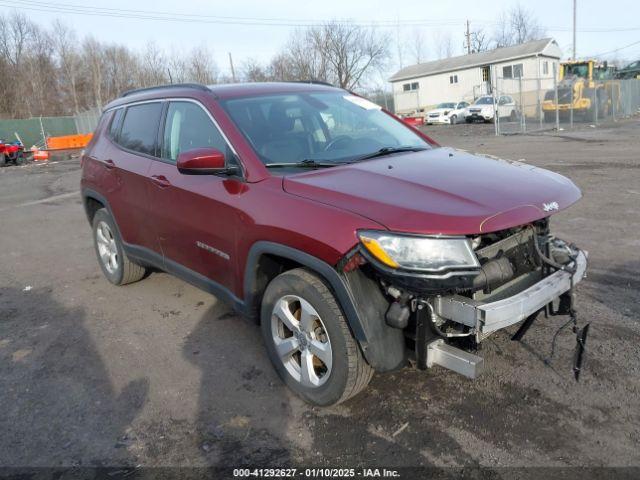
column 306, row 163
column 389, row 151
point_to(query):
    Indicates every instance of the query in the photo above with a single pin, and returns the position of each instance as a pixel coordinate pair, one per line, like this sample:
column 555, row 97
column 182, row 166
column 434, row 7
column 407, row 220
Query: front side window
column 319, row 126
column 188, row 126
column 140, row 128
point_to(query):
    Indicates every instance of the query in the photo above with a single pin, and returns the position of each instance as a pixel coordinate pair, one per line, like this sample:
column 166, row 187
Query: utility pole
column 233, row 72
column 468, row 35
column 574, row 28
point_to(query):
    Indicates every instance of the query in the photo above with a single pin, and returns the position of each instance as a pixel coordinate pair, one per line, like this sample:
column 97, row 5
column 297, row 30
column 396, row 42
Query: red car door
column 125, row 158
column 194, row 215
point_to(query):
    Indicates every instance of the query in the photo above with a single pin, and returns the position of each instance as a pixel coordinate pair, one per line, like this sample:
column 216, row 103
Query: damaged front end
column 448, row 295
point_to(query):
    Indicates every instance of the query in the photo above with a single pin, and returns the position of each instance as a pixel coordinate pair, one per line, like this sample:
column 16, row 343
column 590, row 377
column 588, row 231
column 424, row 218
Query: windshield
column 579, row 70
column 323, row 127
column 447, row 105
column 484, row 101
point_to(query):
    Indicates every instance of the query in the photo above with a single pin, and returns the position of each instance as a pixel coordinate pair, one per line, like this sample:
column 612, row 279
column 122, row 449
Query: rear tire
column 301, row 318
column 116, row 266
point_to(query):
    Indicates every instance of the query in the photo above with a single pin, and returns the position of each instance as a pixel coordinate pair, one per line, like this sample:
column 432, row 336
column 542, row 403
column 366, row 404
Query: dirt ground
column 159, row 373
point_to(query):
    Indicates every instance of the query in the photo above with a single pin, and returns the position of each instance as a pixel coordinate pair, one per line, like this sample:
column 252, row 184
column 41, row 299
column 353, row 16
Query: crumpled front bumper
column 487, row 317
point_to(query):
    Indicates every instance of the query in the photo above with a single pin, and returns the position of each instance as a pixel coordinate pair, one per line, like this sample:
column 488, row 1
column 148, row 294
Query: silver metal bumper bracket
column 464, row 363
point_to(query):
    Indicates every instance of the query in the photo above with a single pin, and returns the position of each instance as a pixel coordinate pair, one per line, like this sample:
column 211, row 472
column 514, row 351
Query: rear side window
column 187, row 127
column 140, row 128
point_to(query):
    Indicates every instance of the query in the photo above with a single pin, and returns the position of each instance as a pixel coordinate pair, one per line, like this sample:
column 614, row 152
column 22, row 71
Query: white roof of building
column 545, row 46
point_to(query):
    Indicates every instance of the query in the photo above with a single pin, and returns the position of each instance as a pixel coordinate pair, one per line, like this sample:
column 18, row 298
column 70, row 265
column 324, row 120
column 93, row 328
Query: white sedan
column 448, row 113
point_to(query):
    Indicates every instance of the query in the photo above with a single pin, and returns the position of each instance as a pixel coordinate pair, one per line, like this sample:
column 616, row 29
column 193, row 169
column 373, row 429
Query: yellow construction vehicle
column 584, row 86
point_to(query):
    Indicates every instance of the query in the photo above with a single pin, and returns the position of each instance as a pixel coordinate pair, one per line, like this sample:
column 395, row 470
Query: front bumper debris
column 488, row 316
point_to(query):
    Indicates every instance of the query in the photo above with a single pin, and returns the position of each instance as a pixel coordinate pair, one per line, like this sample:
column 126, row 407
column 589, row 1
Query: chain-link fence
column 87, row 121
column 537, row 104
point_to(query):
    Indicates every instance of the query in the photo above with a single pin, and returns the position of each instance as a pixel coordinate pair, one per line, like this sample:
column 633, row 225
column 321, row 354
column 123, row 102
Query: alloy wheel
column 301, row 341
column 107, row 248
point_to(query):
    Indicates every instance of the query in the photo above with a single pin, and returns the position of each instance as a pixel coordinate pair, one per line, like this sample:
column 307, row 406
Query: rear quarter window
column 139, row 130
column 116, row 120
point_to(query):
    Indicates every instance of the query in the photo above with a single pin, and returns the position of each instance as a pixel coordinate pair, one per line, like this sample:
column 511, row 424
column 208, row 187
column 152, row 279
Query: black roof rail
column 197, row 86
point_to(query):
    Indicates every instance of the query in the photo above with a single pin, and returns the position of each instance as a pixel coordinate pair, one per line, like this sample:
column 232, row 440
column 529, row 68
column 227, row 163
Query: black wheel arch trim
column 88, row 193
column 326, row 271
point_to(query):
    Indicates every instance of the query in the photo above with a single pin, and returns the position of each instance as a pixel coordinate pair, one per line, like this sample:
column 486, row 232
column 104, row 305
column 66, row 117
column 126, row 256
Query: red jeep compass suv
column 356, row 242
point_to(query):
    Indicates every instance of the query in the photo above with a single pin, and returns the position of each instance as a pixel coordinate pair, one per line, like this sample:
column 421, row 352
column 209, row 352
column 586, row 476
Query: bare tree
column 121, row 67
column 201, row 67
column 417, row 46
column 479, row 41
column 47, row 71
column 444, row 44
column 353, row 51
column 280, row 67
column 65, row 42
column 152, row 67
column 40, row 76
column 93, row 60
column 515, row 26
column 16, row 32
column 177, row 66
column 253, row 71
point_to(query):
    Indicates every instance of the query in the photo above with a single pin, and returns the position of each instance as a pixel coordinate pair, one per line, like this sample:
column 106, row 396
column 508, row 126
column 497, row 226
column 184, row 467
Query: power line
column 617, row 49
column 202, row 18
column 256, row 21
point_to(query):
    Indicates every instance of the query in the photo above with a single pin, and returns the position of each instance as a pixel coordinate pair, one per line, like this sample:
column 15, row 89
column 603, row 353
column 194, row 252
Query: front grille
column 564, row 95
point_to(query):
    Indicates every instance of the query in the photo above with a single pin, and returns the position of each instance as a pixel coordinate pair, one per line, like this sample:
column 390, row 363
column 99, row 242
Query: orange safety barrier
column 40, row 155
column 67, row 142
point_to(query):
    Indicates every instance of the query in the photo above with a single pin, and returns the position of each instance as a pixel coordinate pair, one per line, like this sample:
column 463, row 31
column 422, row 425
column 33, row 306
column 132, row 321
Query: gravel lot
column 158, row 373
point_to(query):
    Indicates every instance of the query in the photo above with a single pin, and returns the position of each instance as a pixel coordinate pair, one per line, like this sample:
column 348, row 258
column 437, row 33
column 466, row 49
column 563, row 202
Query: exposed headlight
column 419, row 253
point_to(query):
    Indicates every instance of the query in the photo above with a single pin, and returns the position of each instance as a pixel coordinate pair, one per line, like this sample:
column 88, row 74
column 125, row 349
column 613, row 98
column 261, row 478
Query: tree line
column 50, row 71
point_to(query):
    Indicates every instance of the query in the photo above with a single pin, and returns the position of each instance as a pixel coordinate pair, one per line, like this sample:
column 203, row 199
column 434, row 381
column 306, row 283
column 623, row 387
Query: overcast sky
column 617, row 22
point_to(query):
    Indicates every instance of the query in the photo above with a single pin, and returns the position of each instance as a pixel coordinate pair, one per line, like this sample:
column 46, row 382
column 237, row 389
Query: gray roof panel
column 472, row 60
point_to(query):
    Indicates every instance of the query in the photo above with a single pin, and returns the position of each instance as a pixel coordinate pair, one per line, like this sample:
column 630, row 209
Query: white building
column 523, row 71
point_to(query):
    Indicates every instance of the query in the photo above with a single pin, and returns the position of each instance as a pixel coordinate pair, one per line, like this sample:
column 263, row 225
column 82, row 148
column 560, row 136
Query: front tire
column 115, row 264
column 308, row 340
column 453, row 120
